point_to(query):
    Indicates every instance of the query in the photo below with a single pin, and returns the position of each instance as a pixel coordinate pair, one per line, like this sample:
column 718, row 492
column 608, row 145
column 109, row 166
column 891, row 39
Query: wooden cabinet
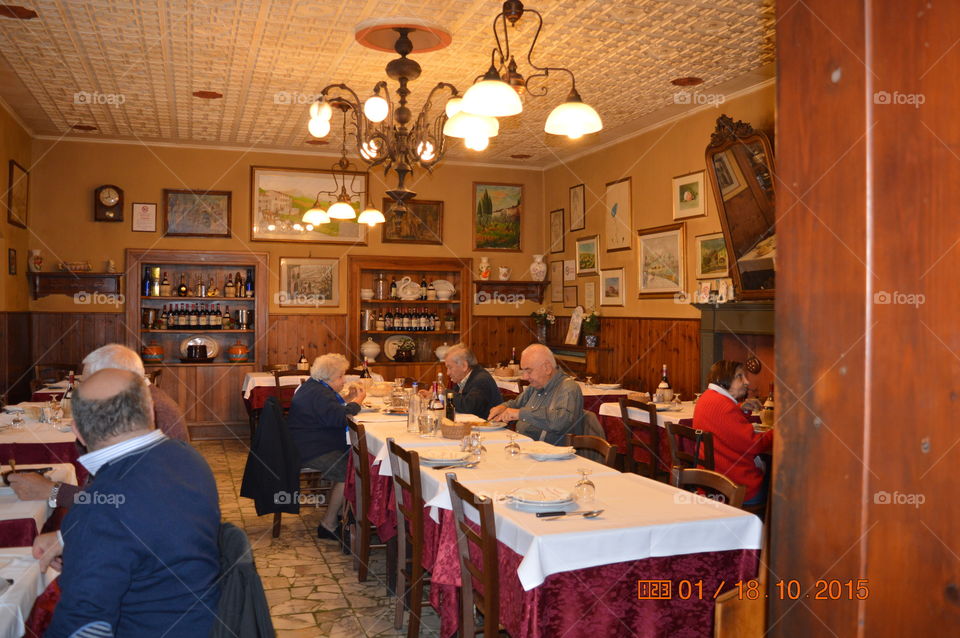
column 364, row 273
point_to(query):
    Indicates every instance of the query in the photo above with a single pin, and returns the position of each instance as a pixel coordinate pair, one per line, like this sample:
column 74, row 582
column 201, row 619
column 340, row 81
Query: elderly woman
column 318, row 423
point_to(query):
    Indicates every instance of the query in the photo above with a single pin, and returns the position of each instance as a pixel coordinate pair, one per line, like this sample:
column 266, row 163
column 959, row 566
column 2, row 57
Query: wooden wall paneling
column 67, row 337
column 17, row 362
column 219, row 402
column 318, row 334
column 180, row 382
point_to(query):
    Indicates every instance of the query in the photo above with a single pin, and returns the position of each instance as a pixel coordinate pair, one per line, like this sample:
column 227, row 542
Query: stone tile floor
column 311, row 586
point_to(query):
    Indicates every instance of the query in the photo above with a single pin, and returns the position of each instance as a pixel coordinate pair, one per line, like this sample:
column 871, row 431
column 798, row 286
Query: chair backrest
column 45, row 373
column 407, row 489
column 361, row 469
column 154, row 376
column 603, row 451
column 641, row 436
column 278, row 375
column 708, row 480
column 683, row 438
column 473, row 571
column 274, row 367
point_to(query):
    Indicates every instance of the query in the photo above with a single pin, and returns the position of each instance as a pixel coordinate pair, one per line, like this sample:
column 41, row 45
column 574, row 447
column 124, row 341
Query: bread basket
column 453, row 430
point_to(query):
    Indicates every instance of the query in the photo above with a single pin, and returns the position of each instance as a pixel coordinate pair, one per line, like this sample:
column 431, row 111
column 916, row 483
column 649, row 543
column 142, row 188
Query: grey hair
column 329, row 366
column 460, row 353
column 129, row 410
column 113, row 355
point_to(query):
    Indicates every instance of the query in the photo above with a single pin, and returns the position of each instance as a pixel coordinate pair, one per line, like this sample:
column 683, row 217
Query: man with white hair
column 318, row 424
column 551, row 407
column 476, row 391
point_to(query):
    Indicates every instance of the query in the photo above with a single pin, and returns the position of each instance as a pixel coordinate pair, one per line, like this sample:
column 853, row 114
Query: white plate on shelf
column 390, row 345
column 213, row 348
column 443, row 284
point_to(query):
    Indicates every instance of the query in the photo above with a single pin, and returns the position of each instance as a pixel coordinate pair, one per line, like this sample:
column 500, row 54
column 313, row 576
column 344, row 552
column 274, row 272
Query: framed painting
column 569, row 269
column 308, row 282
column 590, row 295
column 660, row 259
column 569, row 296
column 556, row 231
column 618, row 215
column 688, row 196
column 556, row 281
column 422, row 223
column 711, row 256
column 729, row 177
column 498, row 211
column 144, row 218
column 18, row 193
column 611, row 287
column 578, row 209
column 196, row 213
column 280, row 196
column 587, row 256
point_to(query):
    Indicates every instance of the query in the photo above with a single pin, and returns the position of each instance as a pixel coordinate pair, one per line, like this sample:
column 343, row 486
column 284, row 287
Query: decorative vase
column 538, row 269
column 542, row 332
column 441, row 351
column 483, row 270
column 152, row 353
column 591, row 341
column 238, row 353
column 35, row 261
column 370, row 349
column 505, row 273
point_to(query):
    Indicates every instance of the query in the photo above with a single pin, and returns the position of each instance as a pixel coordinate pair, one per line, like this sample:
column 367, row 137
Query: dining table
column 594, row 394
column 259, row 386
column 28, row 581
column 21, row 521
column 574, row 576
column 38, row 442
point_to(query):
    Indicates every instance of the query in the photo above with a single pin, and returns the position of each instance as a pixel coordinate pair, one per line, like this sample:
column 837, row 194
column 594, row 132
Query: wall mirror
column 740, row 166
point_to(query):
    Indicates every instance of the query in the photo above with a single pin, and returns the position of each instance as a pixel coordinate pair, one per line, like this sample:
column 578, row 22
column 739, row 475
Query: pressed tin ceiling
column 130, row 67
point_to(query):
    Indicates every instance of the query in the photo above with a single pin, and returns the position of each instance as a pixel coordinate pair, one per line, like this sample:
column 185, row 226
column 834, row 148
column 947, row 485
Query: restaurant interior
column 629, row 192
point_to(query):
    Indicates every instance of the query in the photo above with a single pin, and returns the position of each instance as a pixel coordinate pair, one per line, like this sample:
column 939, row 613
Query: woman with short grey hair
column 329, row 366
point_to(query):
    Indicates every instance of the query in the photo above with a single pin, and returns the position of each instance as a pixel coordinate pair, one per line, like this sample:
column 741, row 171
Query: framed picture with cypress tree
column 497, row 216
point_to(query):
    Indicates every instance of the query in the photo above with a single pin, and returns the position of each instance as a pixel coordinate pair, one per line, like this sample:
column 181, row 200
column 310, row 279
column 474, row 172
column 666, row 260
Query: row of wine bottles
column 415, row 320
column 200, row 316
column 154, row 285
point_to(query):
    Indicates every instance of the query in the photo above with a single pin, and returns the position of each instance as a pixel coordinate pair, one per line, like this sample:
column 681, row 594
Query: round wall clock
column 108, row 204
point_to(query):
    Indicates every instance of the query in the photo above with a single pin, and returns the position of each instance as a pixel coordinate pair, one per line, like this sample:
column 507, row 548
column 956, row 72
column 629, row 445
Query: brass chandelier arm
column 544, row 70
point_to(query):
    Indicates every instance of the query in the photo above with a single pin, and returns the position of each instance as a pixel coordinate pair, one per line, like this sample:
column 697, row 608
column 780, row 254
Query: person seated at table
column 318, row 424
column 167, row 416
column 476, row 391
column 140, row 552
column 551, row 406
column 735, row 443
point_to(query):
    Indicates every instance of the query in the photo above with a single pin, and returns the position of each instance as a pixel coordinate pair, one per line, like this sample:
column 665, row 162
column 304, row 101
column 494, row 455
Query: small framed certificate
column 144, row 218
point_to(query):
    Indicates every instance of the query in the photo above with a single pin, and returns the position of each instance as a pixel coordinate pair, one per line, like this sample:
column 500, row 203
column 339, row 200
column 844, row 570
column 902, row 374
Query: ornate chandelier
column 387, row 133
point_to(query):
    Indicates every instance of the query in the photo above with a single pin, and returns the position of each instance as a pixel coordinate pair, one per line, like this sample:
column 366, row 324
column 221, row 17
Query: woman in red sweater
column 735, row 444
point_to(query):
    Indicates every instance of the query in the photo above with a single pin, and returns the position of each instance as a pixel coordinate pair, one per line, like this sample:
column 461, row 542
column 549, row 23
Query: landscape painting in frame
column 498, row 210
column 309, row 282
column 587, row 251
column 661, row 260
column 711, row 256
column 280, row 196
column 422, row 223
column 196, row 213
column 611, row 287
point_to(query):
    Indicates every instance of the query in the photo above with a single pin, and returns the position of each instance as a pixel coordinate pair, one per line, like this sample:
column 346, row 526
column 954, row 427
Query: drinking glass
column 696, row 396
column 429, row 424
column 56, row 412
column 589, row 381
column 17, row 422
column 512, row 449
column 677, row 403
column 585, row 490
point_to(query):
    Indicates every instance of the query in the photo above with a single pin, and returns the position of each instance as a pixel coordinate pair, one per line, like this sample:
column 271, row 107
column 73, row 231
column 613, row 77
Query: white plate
column 607, row 386
column 390, row 345
column 213, row 348
column 490, row 427
column 541, row 496
column 442, row 455
column 542, row 507
column 443, row 284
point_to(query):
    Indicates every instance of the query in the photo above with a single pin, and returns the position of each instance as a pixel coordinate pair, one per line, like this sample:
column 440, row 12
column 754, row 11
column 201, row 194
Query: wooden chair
column 645, row 436
column 472, row 571
column 361, row 529
column 699, row 440
column 278, row 376
column 409, row 499
column 711, row 481
column 154, row 376
column 604, row 451
column 276, row 367
column 45, row 373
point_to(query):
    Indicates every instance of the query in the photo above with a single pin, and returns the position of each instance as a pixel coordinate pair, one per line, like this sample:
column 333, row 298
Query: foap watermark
column 691, row 498
column 110, row 99
column 284, row 298
column 295, row 97
column 912, row 99
column 286, row 498
column 85, row 298
column 84, row 497
column 495, row 297
column 898, row 498
column 897, row 298
column 695, row 97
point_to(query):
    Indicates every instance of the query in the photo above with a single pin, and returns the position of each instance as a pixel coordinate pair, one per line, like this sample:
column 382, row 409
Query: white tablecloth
column 265, row 379
column 587, row 390
column 17, row 564
column 33, row 431
column 613, row 409
column 12, row 508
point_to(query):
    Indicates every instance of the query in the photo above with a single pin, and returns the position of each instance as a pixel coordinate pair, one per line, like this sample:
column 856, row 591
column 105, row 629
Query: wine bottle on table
column 302, row 363
column 664, row 389
column 364, row 370
column 451, row 410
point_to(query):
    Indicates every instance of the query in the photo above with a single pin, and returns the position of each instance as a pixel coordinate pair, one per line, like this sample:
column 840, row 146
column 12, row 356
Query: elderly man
column 551, row 407
column 139, row 549
column 318, row 424
column 476, row 391
column 166, row 413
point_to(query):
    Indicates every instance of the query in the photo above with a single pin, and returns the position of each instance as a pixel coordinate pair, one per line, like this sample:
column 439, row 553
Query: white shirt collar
column 93, row 461
column 463, row 381
column 721, row 390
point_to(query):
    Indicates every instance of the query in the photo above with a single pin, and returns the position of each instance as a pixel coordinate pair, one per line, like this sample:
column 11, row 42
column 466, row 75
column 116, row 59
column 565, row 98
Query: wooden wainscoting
column 67, row 337
column 317, row 334
column 16, row 362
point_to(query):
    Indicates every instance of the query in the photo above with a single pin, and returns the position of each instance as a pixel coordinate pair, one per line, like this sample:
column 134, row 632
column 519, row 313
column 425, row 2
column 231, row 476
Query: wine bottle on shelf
column 155, row 282
column 227, row 319
column 203, row 319
column 194, row 319
column 238, row 285
column 228, row 288
column 171, row 317
column 145, row 288
column 381, row 321
column 201, row 288
column 393, row 287
column 388, row 320
column 424, row 320
column 364, row 370
column 450, row 322
column 431, row 292
column 163, row 318
column 302, row 363
column 436, row 321
column 404, row 320
column 248, row 289
column 451, row 410
column 423, row 287
column 182, row 289
column 165, row 290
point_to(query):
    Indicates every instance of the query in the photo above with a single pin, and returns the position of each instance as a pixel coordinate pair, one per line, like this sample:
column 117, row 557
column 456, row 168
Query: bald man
column 551, row 407
column 139, row 547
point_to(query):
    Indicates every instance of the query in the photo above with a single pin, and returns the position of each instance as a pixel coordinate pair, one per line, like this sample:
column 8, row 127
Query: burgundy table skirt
column 260, row 394
column 63, row 452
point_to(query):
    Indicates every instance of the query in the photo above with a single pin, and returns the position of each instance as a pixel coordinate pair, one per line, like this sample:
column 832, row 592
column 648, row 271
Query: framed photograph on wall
column 556, row 231
column 569, row 296
column 18, row 195
column 569, row 269
column 497, row 215
column 578, row 208
column 590, row 295
column 711, row 256
column 660, row 260
column 611, row 287
column 556, row 281
column 688, row 196
column 422, row 223
column 308, row 282
column 143, row 217
column 618, row 218
column 196, row 213
column 280, row 196
column 588, row 255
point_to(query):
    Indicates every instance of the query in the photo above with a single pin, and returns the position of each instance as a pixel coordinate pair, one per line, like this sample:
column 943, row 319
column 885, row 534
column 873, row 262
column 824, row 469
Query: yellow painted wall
column 651, row 160
column 67, row 172
column 14, row 145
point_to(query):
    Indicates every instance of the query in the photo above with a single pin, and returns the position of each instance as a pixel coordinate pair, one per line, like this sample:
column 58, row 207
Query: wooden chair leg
column 364, row 553
column 276, row 524
column 415, row 598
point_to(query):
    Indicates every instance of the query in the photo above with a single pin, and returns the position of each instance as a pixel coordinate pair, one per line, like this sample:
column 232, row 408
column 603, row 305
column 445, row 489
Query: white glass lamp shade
column 371, row 217
column 574, row 119
column 320, row 110
column 476, row 142
column 341, row 210
column 495, row 98
column 369, row 150
column 318, row 127
column 454, row 106
column 315, row 217
column 376, row 108
column 425, row 151
column 465, row 125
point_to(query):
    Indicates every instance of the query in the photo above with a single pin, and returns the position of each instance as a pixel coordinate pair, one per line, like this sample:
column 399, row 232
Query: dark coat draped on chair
column 272, row 474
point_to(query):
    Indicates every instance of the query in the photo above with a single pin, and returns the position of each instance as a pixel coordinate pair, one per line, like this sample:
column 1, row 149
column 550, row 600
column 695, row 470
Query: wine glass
column 512, row 449
column 696, row 396
column 589, row 381
column 17, row 422
column 677, row 403
column 585, row 490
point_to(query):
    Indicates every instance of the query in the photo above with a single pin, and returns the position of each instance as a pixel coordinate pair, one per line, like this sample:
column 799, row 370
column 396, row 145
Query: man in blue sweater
column 139, row 547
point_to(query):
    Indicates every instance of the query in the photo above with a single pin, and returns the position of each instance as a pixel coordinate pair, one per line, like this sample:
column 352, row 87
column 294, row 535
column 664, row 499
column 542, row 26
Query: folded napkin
column 451, row 453
column 542, row 447
column 541, row 495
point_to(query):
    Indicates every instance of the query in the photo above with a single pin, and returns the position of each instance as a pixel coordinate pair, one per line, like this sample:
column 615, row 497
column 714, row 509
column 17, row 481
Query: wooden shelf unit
column 73, row 283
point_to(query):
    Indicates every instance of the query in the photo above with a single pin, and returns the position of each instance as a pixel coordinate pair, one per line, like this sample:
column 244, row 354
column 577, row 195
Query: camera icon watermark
column 912, row 99
column 284, row 298
column 897, row 298
column 286, row 498
column 484, row 297
column 85, row 298
column 295, row 98
column 699, row 99
column 692, row 498
column 84, row 497
column 109, row 99
column 897, row 498
column 683, row 297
